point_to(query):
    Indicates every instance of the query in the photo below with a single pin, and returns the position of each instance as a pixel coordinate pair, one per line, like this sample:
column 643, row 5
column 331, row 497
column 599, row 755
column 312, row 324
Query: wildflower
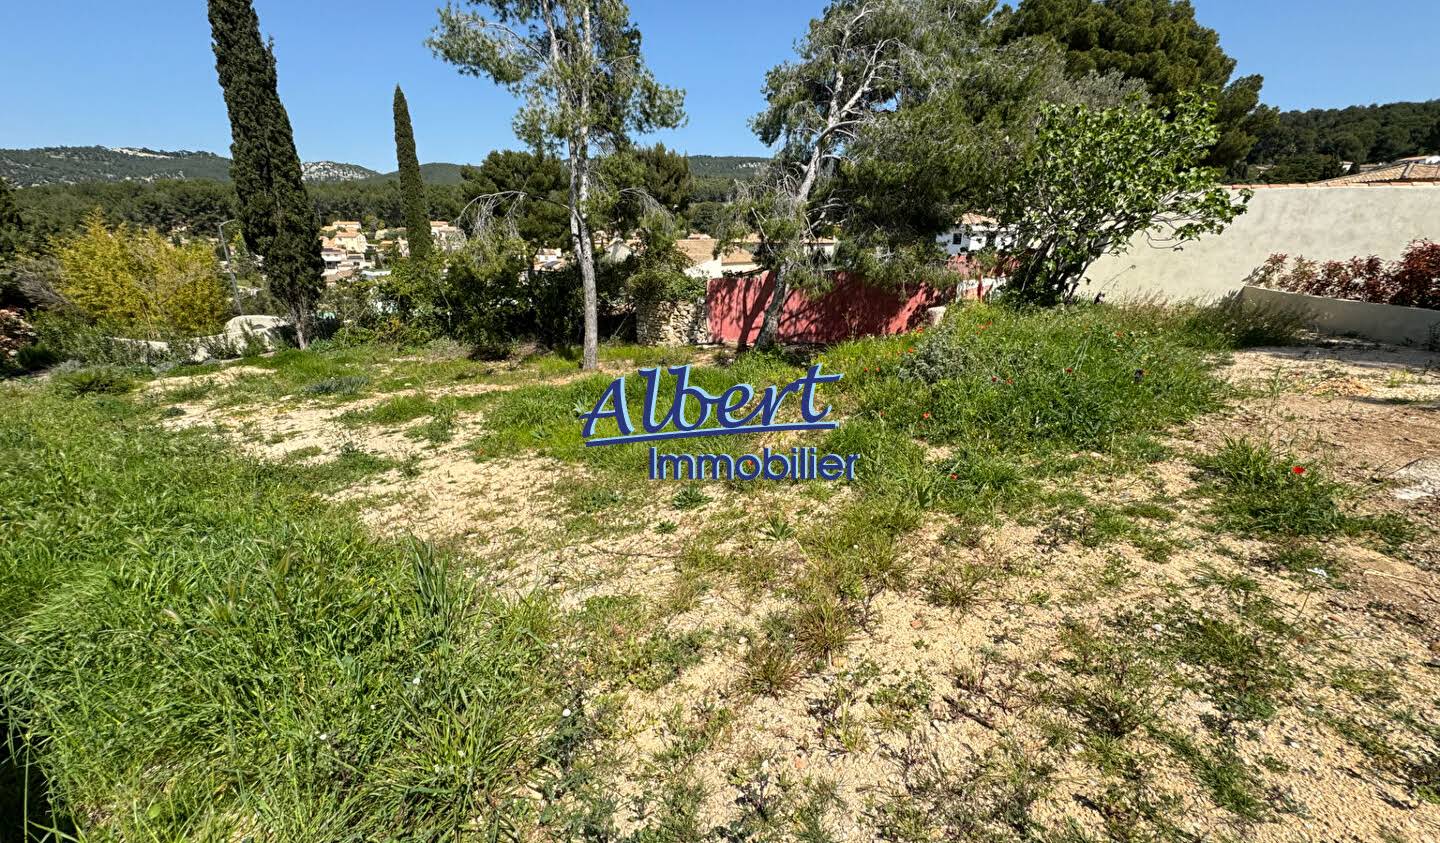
column 954, row 477
column 1321, row 573
column 416, row 680
column 565, row 713
column 925, row 415
column 1009, row 381
column 324, row 737
column 1297, row 470
column 1069, row 371
column 994, row 379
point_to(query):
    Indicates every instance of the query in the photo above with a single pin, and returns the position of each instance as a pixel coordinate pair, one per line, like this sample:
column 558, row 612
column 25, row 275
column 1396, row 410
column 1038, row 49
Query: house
column 351, row 240
column 973, row 233
column 447, row 237
column 700, row 249
column 1423, row 169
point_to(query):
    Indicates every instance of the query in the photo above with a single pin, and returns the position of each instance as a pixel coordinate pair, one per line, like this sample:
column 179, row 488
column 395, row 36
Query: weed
column 666, row 528
column 688, row 498
column 777, row 528
column 343, row 385
column 99, row 380
column 771, row 667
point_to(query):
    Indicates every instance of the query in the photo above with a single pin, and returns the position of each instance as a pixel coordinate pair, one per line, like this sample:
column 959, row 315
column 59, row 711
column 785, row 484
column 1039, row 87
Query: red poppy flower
column 994, row 379
column 1069, row 371
column 1009, row 381
column 954, row 477
column 925, row 416
column 1299, row 469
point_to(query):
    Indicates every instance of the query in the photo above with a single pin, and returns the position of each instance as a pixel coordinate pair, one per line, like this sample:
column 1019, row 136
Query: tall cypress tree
column 412, row 187
column 279, row 220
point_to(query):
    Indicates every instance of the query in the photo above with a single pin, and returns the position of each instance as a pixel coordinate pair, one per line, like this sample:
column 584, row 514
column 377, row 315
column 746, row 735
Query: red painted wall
column 849, row 309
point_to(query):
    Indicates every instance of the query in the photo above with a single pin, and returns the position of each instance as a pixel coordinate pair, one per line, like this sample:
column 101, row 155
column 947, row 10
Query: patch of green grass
column 392, row 411
column 1233, row 785
column 1257, row 489
column 159, row 595
column 344, row 385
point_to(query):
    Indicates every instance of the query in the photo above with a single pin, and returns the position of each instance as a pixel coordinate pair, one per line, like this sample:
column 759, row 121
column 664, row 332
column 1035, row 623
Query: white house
column 972, row 234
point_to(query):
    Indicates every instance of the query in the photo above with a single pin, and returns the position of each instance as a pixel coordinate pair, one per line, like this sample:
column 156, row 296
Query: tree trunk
column 299, row 318
column 584, row 252
column 770, row 328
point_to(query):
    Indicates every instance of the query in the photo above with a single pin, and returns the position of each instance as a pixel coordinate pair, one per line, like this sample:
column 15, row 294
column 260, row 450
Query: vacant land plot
column 1106, row 574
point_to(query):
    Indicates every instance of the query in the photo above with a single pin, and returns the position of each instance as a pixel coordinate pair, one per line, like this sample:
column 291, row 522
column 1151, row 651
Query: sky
column 142, row 74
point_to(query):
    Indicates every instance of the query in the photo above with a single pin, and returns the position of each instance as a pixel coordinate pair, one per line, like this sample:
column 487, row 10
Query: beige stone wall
column 672, row 323
column 1321, row 223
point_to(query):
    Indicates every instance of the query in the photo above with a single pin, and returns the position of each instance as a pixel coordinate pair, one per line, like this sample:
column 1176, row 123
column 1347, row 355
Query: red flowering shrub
column 1412, row 281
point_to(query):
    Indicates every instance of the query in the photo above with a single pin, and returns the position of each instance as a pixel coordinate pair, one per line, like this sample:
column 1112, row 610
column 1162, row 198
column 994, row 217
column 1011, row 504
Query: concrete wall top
column 1322, row 223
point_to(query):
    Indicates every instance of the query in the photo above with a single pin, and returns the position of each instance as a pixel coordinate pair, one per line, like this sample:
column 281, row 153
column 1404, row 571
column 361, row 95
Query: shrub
column 100, row 380
column 1412, row 281
column 136, row 281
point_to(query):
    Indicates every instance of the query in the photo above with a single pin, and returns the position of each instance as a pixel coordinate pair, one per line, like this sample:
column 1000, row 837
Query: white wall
column 1322, row 223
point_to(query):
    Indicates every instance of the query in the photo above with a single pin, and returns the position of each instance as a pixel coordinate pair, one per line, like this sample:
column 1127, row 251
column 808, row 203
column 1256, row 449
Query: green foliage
column 576, row 66
column 1302, row 168
column 1360, row 133
column 1097, row 177
column 412, row 186
column 542, row 221
column 100, row 380
column 1159, row 42
column 11, row 224
column 158, row 594
column 139, row 283
column 275, row 212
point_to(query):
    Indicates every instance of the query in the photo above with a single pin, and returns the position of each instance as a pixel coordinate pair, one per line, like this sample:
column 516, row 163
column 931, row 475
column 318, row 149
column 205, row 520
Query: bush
column 101, row 380
column 1412, row 281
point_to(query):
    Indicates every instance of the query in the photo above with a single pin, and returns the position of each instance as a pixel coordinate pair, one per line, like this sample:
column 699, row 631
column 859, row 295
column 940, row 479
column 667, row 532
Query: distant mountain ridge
column 76, row 164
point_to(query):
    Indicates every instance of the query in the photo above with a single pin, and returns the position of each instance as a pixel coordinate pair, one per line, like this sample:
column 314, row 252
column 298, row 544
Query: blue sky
column 121, row 74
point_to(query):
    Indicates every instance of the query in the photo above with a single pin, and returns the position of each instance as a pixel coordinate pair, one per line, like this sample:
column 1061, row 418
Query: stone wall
column 672, row 323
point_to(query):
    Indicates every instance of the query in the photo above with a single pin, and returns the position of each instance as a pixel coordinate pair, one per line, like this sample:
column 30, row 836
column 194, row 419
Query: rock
column 935, row 315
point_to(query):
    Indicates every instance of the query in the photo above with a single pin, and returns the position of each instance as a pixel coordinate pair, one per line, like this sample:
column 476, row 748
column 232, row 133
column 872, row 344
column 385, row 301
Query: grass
column 1260, row 490
column 161, row 595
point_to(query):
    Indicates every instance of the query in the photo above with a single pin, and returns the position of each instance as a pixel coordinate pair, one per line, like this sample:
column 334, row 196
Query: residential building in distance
column 1423, row 169
column 972, row 233
column 447, row 237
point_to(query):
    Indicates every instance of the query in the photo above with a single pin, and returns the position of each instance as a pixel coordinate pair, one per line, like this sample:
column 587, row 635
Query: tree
column 578, row 66
column 1097, row 177
column 1432, row 140
column 858, row 58
column 275, row 212
column 1158, row 41
column 543, row 221
column 412, row 187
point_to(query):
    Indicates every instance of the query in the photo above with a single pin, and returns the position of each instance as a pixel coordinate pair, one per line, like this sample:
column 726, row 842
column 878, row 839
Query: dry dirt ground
column 1053, row 692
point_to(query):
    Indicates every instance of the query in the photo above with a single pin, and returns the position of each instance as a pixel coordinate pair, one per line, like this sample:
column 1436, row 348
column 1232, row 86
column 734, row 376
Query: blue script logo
column 732, row 412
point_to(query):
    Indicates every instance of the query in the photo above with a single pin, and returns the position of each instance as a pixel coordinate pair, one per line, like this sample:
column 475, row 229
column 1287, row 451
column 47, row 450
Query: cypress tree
column 277, row 216
column 412, row 187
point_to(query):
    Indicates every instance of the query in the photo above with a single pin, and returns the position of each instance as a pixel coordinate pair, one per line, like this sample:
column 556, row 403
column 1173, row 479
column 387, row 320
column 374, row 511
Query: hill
column 80, row 164
column 726, row 166
column 1369, row 134
column 436, row 173
column 74, row 164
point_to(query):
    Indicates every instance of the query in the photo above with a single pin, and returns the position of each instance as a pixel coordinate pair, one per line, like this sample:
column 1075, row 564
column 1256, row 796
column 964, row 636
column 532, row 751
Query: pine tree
column 276, row 214
column 412, row 187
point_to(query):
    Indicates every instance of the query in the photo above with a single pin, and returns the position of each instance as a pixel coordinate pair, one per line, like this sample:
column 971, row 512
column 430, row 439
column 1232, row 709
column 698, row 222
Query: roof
column 1408, row 170
column 697, row 247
